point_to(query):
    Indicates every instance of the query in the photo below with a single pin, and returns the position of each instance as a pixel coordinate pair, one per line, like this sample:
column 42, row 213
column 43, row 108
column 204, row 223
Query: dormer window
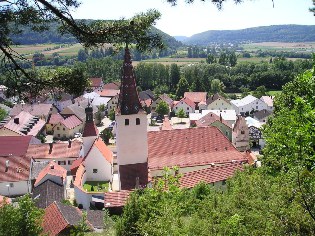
column 126, row 121
column 138, row 121
column 242, row 132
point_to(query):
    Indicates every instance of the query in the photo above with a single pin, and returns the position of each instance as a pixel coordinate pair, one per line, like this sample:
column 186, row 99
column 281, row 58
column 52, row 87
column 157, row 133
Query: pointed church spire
column 129, row 102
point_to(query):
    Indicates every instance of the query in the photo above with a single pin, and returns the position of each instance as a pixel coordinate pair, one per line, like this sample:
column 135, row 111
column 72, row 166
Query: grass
column 274, row 92
column 96, row 186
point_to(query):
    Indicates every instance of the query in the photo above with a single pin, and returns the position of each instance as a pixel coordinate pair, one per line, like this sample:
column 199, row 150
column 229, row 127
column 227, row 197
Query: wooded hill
column 52, row 35
column 274, row 33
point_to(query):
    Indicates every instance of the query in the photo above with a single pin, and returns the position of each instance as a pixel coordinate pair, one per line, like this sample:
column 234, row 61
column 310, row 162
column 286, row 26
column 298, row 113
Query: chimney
column 52, row 167
column 17, row 120
column 50, row 147
column 69, row 144
column 7, row 163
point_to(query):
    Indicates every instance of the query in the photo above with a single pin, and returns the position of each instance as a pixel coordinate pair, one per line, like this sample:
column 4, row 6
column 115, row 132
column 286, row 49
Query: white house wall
column 219, row 104
column 59, row 160
column 95, row 160
column 187, row 109
column 19, row 188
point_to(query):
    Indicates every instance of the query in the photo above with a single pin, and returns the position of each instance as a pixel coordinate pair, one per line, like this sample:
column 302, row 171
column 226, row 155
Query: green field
column 280, row 46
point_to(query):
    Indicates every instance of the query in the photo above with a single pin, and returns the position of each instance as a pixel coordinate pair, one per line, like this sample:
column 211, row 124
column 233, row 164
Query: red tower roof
column 129, row 102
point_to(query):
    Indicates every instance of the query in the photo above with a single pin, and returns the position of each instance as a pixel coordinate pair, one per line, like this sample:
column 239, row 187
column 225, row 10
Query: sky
column 188, row 19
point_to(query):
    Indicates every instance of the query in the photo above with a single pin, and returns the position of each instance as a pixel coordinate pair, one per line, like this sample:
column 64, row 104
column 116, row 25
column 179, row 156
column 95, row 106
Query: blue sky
column 188, row 19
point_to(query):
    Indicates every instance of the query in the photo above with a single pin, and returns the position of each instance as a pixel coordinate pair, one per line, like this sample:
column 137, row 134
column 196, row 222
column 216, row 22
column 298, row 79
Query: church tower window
column 126, row 121
column 138, row 121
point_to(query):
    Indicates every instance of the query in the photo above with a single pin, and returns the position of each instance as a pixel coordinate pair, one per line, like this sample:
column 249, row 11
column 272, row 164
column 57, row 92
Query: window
column 70, row 163
column 256, row 107
column 11, row 185
column 58, row 128
column 242, row 132
column 58, row 135
column 138, row 121
column 126, row 121
column 187, row 108
column 94, row 171
column 62, row 163
column 64, row 129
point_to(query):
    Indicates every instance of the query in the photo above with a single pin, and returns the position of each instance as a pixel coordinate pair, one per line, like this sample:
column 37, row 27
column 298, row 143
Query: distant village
column 216, row 138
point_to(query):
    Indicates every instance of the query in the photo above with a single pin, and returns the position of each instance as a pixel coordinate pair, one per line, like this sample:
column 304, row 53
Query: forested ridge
column 27, row 36
column 273, row 33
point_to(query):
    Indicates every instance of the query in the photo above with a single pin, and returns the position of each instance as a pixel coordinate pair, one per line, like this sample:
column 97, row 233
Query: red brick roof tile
column 71, row 122
column 55, row 118
column 196, row 96
column 14, row 145
column 106, row 152
column 96, row 82
column 166, row 124
column 209, row 175
column 79, row 176
column 51, row 169
column 208, row 119
column 53, row 222
column 187, row 101
column 90, row 130
column 18, row 168
column 108, row 92
column 116, row 199
column 190, row 147
column 112, row 85
column 54, row 150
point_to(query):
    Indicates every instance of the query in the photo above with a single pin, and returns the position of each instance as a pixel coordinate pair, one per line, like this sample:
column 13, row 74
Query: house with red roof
column 217, row 102
column 23, row 124
column 186, row 104
column 14, row 175
column 53, row 172
column 40, row 110
column 199, row 98
column 165, row 98
column 211, row 119
column 112, row 85
column 96, row 166
column 53, row 119
column 66, row 128
column 96, row 83
column 63, row 153
column 112, row 103
column 240, row 134
column 108, row 93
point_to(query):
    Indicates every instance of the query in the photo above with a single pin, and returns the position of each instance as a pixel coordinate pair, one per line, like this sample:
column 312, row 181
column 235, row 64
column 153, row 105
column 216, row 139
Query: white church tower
column 131, row 132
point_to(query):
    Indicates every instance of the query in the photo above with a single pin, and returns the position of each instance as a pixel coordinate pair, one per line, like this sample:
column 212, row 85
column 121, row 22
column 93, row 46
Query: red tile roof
column 113, row 85
column 116, row 199
column 96, row 82
column 53, row 222
column 35, row 109
column 196, row 96
column 54, row 150
column 79, row 176
column 51, row 169
column 166, row 124
column 209, row 175
column 90, row 130
column 190, row 147
column 23, row 119
column 71, row 122
column 15, row 145
column 106, row 152
column 187, row 101
column 214, row 97
column 208, row 119
column 146, row 102
column 108, row 92
column 55, row 118
column 75, row 165
column 129, row 174
column 18, row 169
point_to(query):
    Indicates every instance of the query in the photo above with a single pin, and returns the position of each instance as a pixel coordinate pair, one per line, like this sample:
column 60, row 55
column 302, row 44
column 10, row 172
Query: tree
column 174, row 76
column 162, row 108
column 260, row 91
column 181, row 114
column 82, row 55
column 82, row 227
column 3, row 114
column 111, row 115
column 23, row 220
column 232, row 59
column 223, row 59
column 106, row 135
column 217, row 86
column 37, row 14
column 182, row 87
column 245, row 91
column 210, row 59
